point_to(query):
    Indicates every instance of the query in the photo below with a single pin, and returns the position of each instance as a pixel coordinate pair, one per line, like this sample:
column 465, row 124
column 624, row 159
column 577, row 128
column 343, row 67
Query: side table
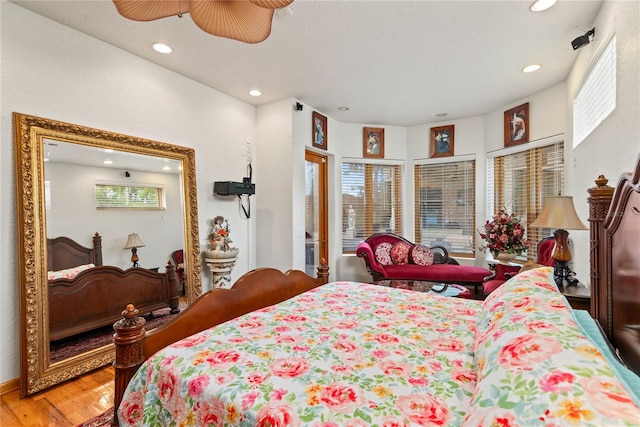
column 579, row 296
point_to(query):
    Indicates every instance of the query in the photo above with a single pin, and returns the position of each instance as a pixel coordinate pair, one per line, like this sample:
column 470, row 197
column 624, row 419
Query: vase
column 217, row 253
column 505, row 257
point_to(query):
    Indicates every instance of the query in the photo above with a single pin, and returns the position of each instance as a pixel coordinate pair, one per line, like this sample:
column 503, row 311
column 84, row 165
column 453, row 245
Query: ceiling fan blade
column 272, row 4
column 149, row 10
column 238, row 20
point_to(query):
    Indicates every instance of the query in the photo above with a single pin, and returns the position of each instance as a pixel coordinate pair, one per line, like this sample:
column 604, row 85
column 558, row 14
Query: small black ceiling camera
column 583, row 40
column 298, row 106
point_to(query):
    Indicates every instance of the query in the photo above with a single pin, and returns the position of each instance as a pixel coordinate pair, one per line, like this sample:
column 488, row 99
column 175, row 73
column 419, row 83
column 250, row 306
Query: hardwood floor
column 67, row 404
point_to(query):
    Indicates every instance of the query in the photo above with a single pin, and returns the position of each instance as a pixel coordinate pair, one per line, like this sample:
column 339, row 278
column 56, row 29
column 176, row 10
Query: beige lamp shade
column 133, row 241
column 559, row 212
column 247, row 21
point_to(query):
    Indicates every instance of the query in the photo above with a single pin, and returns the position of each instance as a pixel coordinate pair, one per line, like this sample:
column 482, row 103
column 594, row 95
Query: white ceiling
column 391, row 62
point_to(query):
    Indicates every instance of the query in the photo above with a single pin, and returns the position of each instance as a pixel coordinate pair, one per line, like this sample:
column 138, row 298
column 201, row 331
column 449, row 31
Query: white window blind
column 596, row 98
column 445, row 205
column 129, row 197
column 521, row 183
column 374, row 194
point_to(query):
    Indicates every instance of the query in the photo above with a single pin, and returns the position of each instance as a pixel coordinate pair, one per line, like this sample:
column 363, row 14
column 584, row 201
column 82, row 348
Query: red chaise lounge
column 391, row 257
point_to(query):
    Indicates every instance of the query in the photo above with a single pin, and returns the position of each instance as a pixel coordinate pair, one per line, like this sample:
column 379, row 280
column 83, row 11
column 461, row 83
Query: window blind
column 373, row 195
column 129, row 197
column 522, row 181
column 445, row 205
column 596, row 98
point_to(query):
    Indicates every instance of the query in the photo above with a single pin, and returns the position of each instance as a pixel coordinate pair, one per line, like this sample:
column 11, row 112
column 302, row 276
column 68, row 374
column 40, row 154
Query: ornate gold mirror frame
column 37, row 373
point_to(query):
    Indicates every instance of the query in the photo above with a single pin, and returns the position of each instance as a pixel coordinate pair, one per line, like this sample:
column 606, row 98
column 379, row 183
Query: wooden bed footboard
column 94, row 297
column 257, row 289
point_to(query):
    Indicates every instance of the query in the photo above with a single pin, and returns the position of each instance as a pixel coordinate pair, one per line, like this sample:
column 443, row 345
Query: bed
column 85, row 295
column 283, row 349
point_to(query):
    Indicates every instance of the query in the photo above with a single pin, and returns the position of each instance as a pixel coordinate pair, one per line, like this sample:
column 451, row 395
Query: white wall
column 614, row 146
column 274, row 185
column 73, row 196
column 51, row 71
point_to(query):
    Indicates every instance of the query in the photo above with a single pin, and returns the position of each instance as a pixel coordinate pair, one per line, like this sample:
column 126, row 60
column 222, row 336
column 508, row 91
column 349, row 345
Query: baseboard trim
column 9, row 386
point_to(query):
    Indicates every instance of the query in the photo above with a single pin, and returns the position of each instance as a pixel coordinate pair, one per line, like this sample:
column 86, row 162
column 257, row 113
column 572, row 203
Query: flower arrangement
column 504, row 233
column 219, row 237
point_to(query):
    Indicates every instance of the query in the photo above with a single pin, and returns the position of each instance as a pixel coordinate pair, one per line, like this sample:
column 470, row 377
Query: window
column 113, row 196
column 445, row 205
column 521, row 182
column 596, row 98
column 372, row 201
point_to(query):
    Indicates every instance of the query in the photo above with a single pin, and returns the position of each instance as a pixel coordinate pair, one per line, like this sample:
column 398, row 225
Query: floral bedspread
column 344, row 354
column 353, row 354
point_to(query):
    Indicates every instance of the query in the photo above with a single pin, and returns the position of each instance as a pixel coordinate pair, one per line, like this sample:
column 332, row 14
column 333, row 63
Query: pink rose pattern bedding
column 349, row 354
column 345, row 354
column 535, row 367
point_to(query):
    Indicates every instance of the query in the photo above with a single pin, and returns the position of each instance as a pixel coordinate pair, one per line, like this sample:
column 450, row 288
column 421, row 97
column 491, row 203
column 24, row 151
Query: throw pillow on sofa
column 383, row 253
column 421, row 255
column 400, row 253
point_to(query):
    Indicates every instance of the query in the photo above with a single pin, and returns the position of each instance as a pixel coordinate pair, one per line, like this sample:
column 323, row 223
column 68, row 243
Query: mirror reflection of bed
column 83, row 295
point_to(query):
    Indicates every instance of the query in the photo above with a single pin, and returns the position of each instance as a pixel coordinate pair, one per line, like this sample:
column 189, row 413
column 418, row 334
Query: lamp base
column 563, row 274
column 134, row 257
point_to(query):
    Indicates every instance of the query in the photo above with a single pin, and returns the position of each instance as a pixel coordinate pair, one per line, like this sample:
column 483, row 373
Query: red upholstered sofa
column 415, row 264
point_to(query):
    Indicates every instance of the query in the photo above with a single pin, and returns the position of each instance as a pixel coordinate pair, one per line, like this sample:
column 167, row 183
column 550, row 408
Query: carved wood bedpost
column 97, row 249
column 128, row 337
column 174, row 300
column 599, row 202
column 323, row 271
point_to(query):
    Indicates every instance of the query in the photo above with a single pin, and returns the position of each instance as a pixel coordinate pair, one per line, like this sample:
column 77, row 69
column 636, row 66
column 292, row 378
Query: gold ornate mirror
column 32, row 135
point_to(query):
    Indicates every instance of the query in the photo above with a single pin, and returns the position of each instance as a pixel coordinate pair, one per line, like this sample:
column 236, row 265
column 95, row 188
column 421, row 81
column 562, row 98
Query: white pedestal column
column 220, row 264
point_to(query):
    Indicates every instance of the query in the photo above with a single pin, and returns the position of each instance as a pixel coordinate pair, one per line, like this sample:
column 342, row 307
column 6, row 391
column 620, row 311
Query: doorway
column 316, row 211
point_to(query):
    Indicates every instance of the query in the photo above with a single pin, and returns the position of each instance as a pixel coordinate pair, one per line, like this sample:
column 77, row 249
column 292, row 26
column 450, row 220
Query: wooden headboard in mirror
column 33, row 203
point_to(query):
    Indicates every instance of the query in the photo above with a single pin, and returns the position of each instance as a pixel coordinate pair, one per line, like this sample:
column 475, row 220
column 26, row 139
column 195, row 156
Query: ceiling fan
column 247, row 21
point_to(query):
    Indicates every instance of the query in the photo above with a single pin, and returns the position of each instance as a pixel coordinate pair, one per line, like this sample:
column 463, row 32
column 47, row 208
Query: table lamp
column 559, row 213
column 133, row 243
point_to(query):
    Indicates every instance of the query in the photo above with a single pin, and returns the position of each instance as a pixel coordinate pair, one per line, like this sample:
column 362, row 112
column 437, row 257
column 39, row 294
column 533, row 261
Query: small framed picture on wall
column 516, row 125
column 319, row 130
column 441, row 141
column 373, row 142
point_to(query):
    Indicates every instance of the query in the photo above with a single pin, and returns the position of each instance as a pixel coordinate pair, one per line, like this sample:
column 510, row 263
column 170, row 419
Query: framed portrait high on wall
column 516, row 125
column 373, row 142
column 319, row 130
column 441, row 141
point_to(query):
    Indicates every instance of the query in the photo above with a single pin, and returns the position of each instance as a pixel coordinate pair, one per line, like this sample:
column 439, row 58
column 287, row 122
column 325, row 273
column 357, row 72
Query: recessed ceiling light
column 108, row 150
column 162, row 48
column 255, row 92
column 441, row 115
column 108, row 162
column 540, row 5
column 343, row 108
column 531, row 68
column 166, row 168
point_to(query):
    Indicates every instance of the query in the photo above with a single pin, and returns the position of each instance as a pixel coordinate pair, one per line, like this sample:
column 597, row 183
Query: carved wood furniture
column 63, row 252
column 614, row 218
column 251, row 292
column 327, row 353
column 94, row 296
